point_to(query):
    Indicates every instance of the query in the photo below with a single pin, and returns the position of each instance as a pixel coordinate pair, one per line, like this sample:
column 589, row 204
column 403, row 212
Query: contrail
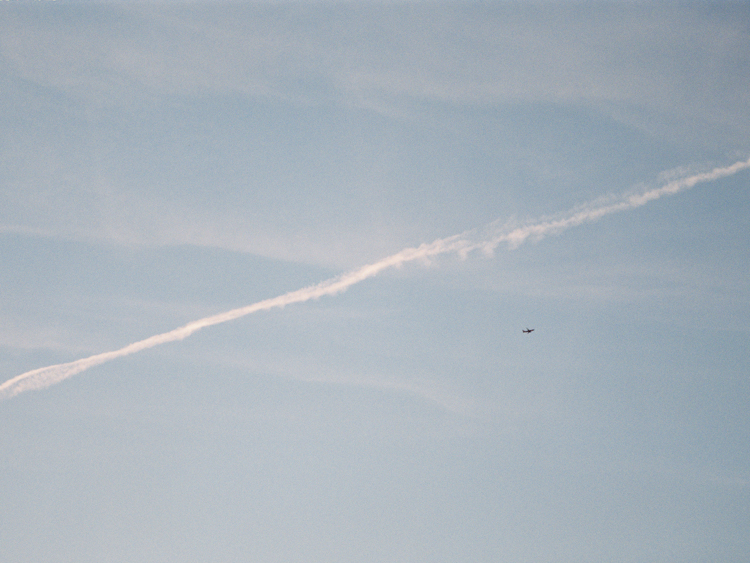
column 485, row 239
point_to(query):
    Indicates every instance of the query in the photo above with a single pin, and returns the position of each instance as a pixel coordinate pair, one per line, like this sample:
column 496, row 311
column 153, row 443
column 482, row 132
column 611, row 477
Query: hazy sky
column 165, row 163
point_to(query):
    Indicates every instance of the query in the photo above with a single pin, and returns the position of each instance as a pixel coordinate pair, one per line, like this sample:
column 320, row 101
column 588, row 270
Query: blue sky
column 163, row 163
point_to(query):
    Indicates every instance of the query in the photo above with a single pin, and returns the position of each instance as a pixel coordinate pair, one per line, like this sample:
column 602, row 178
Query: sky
column 265, row 267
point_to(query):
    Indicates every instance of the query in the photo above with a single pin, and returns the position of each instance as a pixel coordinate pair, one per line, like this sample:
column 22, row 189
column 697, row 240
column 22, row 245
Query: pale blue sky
column 160, row 163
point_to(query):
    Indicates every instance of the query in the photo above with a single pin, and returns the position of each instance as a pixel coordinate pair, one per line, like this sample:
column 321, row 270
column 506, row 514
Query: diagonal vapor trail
column 486, row 239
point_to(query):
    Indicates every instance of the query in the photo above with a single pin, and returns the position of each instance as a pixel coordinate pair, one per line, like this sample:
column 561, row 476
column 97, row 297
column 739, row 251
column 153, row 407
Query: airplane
column 528, row 330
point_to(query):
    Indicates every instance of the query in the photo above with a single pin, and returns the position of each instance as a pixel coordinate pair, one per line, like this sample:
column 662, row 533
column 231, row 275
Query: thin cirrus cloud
column 486, row 240
column 459, row 54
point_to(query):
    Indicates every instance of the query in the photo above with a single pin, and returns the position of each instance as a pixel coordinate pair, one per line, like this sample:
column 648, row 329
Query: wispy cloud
column 486, row 239
column 488, row 54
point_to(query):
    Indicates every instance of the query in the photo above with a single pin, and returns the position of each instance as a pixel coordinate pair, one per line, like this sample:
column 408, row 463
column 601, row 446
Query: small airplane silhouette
column 528, row 330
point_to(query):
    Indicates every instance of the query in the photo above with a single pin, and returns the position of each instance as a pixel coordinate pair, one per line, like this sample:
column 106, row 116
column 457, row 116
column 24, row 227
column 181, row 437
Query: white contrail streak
column 486, row 239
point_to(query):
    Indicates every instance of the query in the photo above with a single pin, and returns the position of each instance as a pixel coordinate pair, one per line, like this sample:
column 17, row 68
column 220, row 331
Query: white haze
column 485, row 239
